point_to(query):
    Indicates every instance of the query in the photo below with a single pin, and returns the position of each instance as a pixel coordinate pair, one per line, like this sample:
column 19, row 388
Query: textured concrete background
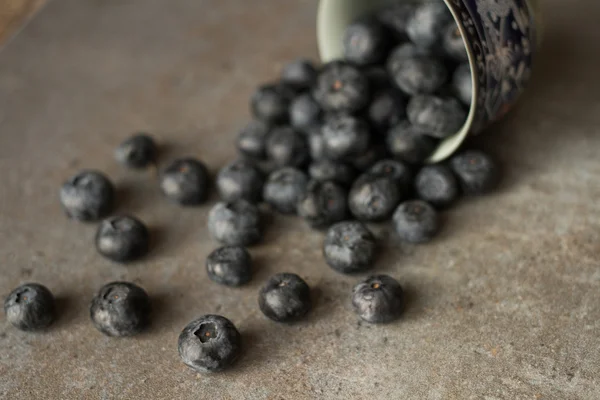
column 504, row 305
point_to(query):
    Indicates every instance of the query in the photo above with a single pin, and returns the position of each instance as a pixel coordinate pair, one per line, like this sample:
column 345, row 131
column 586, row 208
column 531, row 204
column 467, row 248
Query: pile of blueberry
column 340, row 146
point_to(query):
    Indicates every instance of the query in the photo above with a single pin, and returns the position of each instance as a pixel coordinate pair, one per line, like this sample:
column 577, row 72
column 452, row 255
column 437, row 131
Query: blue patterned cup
column 501, row 37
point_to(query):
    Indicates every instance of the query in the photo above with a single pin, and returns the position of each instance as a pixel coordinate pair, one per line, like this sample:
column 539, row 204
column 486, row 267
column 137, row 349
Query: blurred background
column 14, row 14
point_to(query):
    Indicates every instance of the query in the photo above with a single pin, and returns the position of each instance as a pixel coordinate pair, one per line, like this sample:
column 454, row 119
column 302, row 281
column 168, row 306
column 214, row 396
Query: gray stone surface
column 504, row 305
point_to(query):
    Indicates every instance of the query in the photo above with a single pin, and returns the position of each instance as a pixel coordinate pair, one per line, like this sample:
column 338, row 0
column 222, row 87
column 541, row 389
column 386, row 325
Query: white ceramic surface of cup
column 501, row 37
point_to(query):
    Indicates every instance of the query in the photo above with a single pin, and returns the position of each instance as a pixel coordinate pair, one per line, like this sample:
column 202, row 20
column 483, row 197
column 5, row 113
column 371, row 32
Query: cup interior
column 334, row 16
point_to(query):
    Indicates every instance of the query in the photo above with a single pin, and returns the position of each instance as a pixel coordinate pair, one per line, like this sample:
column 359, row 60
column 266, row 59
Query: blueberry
column 185, row 181
column 300, row 74
column 87, row 196
column 408, row 143
column 437, row 185
column 304, row 112
column 395, row 170
column 395, row 18
column 229, row 265
column 240, row 180
column 426, row 24
column 122, row 238
column 209, row 344
column 374, row 196
column 286, row 147
column 235, row 223
column 284, row 188
column 378, row 299
column 285, row 298
column 404, row 52
column 453, row 43
column 120, row 309
column 340, row 87
column 349, row 247
column 439, row 117
column 326, row 170
column 462, row 83
column 252, row 139
column 415, row 221
column 387, row 108
column 365, row 42
column 316, row 142
column 364, row 161
column 138, row 151
column 345, row 136
column 30, row 307
column 476, row 171
column 420, row 74
column 323, row 204
column 271, row 102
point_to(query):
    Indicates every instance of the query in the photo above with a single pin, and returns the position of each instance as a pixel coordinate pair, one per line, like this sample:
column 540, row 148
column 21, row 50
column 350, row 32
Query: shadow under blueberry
column 252, row 352
column 66, row 310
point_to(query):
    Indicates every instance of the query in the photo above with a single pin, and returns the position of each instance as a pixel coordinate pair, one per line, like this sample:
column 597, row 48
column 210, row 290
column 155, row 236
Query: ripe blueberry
column 387, row 108
column 462, row 83
column 122, row 238
column 436, row 184
column 229, row 265
column 240, row 180
column 210, row 343
column 235, row 223
column 438, row 116
column 120, row 309
column 365, row 42
column 270, row 103
column 300, row 74
column 476, row 171
column 345, row 136
column 374, row 196
column 87, row 196
column 138, row 151
column 395, row 18
column 252, row 139
column 364, row 161
column 284, row 188
column 304, row 112
column 378, row 299
column 349, row 247
column 396, row 170
column 326, row 170
column 453, row 43
column 285, row 298
column 426, row 24
column 286, row 147
column 415, row 221
column 30, row 307
column 340, row 87
column 323, row 204
column 420, row 74
column 408, row 143
column 185, row 181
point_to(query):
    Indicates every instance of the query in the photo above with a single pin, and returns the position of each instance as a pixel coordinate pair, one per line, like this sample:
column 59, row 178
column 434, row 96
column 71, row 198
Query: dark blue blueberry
column 395, row 18
column 426, row 24
column 285, row 298
column 476, row 171
column 341, row 87
column 240, row 180
column 316, row 143
column 87, row 196
column 323, row 204
column 122, row 238
column 345, row 137
column 436, row 184
column 30, row 307
column 121, row 309
column 185, row 181
column 326, row 170
column 235, row 223
column 420, row 74
column 453, row 43
column 138, row 151
column 401, row 173
column 365, row 42
column 304, row 112
column 287, row 148
column 374, row 153
column 209, row 344
column 270, row 103
column 349, row 247
column 415, row 221
column 378, row 299
column 404, row 52
column 252, row 139
column 462, row 83
column 410, row 144
column 373, row 197
column 229, row 265
column 387, row 108
column 300, row 74
column 438, row 116
column 284, row 188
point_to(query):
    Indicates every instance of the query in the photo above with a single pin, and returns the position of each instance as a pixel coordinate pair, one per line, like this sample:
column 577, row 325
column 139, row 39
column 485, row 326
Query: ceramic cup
column 501, row 37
